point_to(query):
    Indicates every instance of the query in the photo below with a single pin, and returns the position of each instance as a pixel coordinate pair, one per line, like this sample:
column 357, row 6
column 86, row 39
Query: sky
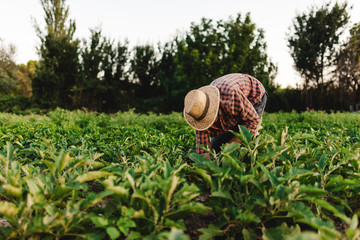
column 154, row 21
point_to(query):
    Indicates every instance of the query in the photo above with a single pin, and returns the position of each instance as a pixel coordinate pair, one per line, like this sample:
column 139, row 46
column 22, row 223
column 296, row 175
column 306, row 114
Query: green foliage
column 348, row 69
column 24, row 75
column 281, row 177
column 14, row 104
column 287, row 100
column 105, row 76
column 312, row 40
column 103, row 82
column 167, row 78
column 8, row 80
column 82, row 175
column 144, row 68
column 57, row 72
column 97, row 77
column 210, row 50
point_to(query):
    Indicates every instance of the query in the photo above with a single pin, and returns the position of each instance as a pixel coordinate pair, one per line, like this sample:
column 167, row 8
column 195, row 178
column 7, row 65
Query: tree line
column 105, row 75
column 329, row 67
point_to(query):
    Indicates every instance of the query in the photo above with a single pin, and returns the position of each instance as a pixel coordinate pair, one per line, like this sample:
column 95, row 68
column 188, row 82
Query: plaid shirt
column 238, row 94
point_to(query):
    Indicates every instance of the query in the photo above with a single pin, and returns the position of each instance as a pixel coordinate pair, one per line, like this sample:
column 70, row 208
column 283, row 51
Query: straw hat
column 201, row 107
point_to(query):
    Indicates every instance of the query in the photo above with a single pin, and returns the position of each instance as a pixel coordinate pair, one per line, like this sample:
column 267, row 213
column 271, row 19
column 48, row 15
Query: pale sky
column 153, row 21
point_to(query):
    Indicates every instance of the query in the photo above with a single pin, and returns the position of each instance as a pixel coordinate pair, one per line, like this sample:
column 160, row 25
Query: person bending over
column 231, row 100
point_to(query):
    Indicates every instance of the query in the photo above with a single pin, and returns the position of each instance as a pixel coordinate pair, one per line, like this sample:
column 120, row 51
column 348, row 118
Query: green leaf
column 8, row 209
column 99, row 221
column 177, row 234
column 281, row 232
column 332, row 209
column 281, row 192
column 230, row 147
column 311, row 191
column 305, row 236
column 9, row 152
column 134, row 236
column 230, row 162
column 153, row 169
column 204, row 175
column 222, row 194
column 272, row 153
column 258, row 185
column 303, row 214
column 62, row 160
column 244, row 135
column 322, row 163
column 89, row 176
column 33, row 187
column 119, row 190
column 210, row 232
column 296, row 173
column 51, row 166
column 247, row 218
column 113, row 232
column 167, row 169
column 131, row 180
column 94, row 236
column 139, row 214
column 249, row 234
column 14, row 191
column 124, row 224
column 187, row 208
column 174, row 224
column 274, row 181
column 353, row 230
column 93, row 198
column 173, row 185
column 354, row 222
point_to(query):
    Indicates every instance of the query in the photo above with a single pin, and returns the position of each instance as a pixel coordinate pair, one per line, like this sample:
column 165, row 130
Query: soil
column 194, row 222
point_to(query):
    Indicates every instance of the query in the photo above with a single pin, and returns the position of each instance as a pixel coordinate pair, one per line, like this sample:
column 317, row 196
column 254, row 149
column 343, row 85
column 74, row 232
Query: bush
column 14, row 104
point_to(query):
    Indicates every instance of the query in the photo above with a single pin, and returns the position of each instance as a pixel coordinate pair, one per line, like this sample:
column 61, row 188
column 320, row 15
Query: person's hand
column 235, row 139
column 207, row 155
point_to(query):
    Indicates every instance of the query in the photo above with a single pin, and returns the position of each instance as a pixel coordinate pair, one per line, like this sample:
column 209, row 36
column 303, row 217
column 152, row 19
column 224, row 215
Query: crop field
column 81, row 175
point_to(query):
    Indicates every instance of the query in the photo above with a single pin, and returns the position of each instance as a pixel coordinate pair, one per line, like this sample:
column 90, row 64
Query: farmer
column 231, row 100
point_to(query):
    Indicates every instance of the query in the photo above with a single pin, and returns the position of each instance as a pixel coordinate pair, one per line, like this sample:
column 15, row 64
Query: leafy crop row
column 80, row 175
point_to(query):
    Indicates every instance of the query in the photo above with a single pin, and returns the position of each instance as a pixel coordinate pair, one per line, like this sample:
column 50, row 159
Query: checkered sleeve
column 202, row 139
column 241, row 108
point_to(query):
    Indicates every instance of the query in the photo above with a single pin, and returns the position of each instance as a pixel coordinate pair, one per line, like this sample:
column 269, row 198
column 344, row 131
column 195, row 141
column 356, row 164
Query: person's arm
column 203, row 139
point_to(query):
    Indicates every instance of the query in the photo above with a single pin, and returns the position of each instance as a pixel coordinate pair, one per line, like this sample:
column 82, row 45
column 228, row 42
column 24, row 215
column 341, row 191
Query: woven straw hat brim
column 214, row 101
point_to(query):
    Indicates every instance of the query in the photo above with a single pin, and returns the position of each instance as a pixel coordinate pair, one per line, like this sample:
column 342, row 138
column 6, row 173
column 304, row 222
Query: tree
column 24, row 74
column 312, row 40
column 247, row 51
column 104, row 83
column 210, row 50
column 199, row 54
column 88, row 85
column 57, row 73
column 167, row 79
column 116, row 80
column 348, row 69
column 143, row 65
column 8, row 80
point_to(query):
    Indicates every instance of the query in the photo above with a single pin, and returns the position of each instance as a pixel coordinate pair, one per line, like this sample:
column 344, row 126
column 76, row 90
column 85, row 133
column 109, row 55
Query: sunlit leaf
column 89, row 176
column 282, row 232
column 113, row 232
column 8, row 209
